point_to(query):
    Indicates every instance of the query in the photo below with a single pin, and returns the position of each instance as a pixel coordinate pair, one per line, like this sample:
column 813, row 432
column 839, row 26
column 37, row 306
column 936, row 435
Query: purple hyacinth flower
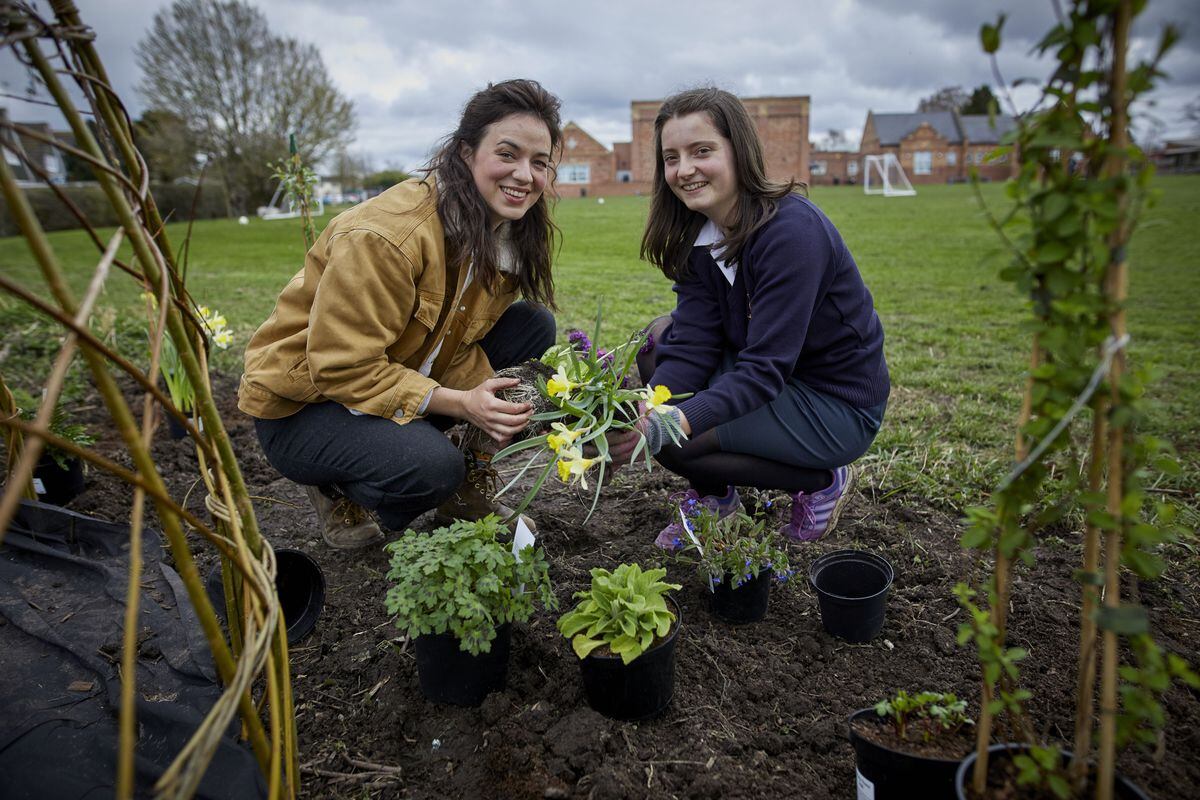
column 647, row 346
column 580, row 341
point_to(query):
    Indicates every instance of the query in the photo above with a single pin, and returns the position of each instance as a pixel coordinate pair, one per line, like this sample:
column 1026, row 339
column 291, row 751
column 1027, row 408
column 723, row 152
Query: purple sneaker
column 814, row 515
column 690, row 503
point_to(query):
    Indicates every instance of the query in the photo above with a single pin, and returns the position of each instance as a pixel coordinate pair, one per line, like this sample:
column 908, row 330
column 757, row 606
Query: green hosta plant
column 927, row 714
column 738, row 546
column 465, row 580
column 589, row 396
column 625, row 609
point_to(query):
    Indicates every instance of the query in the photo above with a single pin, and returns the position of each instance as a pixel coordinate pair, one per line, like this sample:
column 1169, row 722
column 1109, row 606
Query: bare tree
column 950, row 98
column 242, row 90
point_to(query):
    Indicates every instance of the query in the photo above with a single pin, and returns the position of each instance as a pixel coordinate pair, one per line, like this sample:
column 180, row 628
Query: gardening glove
column 654, row 427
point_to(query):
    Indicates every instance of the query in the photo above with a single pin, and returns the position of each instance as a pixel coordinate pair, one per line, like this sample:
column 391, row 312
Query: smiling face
column 511, row 165
column 698, row 167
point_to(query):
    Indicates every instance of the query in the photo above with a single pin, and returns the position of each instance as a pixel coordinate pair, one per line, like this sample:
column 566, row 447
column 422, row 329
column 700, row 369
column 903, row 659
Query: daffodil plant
column 590, row 398
column 183, row 395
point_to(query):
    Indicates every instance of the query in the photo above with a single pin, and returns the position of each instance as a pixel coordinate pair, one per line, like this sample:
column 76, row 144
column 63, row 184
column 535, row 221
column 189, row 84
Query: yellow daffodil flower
column 564, row 437
column 572, row 463
column 560, row 385
column 657, row 397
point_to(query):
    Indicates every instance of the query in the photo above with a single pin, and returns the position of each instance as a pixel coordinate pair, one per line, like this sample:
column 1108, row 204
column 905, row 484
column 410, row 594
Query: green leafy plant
column 737, row 547
column 590, row 396
column 1074, row 205
column 299, row 182
column 465, row 580
column 929, row 714
column 625, row 609
column 60, row 425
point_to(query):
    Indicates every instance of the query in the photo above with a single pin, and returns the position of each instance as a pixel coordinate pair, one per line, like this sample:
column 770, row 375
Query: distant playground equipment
column 884, row 175
column 290, row 209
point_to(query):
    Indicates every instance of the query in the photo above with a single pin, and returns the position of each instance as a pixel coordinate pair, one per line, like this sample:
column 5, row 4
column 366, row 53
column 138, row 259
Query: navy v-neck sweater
column 797, row 307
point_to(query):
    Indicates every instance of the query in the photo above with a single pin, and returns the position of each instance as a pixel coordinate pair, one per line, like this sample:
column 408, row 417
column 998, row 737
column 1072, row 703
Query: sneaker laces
column 802, row 512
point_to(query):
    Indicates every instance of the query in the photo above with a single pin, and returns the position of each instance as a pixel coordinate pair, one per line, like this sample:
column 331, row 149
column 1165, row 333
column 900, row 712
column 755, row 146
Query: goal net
column 884, row 175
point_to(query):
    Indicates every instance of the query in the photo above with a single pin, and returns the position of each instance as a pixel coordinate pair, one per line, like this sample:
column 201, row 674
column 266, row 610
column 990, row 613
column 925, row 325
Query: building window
column 624, row 176
column 951, row 158
column 922, row 162
column 819, row 168
column 50, row 163
column 851, row 168
column 574, row 173
column 12, row 158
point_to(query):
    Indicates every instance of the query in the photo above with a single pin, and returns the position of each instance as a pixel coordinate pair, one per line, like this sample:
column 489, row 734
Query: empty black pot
column 636, row 691
column 55, row 485
column 887, row 774
column 852, row 588
column 745, row 603
column 300, row 584
column 449, row 674
column 1123, row 788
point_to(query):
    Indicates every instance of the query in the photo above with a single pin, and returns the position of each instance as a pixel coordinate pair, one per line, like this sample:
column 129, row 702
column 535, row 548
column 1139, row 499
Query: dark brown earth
column 759, row 710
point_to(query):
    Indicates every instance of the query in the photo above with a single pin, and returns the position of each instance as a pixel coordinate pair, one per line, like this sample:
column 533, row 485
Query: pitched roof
column 891, row 128
column 980, row 129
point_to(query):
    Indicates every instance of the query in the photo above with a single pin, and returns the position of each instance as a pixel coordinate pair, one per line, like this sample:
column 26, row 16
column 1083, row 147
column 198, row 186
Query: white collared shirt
column 709, row 235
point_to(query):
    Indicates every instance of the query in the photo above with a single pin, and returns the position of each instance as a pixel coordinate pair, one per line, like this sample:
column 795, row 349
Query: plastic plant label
column 687, row 528
column 522, row 538
column 866, row 789
column 38, row 486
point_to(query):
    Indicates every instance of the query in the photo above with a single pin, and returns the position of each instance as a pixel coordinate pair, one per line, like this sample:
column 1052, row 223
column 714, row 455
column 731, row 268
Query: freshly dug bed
column 759, row 710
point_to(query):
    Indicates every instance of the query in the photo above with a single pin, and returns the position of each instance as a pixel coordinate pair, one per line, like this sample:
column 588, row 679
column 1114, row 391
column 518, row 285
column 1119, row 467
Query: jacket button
column 462, row 308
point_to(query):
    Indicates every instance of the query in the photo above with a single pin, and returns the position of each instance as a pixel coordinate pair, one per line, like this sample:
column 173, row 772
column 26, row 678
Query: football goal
column 884, row 175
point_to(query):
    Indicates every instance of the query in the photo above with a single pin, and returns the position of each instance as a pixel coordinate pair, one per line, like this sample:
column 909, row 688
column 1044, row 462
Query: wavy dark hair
column 464, row 213
column 672, row 227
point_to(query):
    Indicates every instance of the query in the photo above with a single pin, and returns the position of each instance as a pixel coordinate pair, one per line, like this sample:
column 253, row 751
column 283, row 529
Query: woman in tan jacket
column 392, row 331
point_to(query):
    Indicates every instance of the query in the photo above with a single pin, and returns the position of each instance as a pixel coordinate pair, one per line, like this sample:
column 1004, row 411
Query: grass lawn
column 954, row 341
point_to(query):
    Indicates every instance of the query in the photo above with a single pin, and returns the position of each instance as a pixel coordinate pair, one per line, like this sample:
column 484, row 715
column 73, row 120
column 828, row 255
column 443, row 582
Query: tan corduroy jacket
column 372, row 302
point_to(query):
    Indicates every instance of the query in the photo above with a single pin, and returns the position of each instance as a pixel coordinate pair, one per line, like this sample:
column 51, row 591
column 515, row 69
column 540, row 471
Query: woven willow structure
column 251, row 655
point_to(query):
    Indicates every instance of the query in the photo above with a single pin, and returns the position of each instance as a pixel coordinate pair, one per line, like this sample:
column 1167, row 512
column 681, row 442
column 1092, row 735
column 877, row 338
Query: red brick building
column 588, row 169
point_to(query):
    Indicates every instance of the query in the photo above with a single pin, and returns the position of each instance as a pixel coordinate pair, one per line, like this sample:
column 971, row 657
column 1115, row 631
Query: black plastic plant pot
column 449, row 674
column 300, row 584
column 1123, row 788
column 887, row 774
column 55, row 485
column 742, row 604
column 852, row 588
column 175, row 428
column 636, row 691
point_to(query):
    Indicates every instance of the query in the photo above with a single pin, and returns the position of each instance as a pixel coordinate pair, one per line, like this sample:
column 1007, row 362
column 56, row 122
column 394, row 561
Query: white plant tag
column 38, row 486
column 866, row 789
column 687, row 527
column 522, row 538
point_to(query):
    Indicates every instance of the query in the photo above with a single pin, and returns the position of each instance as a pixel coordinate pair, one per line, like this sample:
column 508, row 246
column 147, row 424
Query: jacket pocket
column 429, row 306
column 302, row 388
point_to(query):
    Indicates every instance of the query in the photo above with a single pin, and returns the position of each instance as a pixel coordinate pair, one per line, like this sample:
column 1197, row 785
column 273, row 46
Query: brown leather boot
column 476, row 496
column 344, row 525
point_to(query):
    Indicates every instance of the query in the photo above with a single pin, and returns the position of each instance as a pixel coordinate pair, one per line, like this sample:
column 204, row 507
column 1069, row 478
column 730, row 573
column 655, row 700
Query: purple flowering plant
column 735, row 548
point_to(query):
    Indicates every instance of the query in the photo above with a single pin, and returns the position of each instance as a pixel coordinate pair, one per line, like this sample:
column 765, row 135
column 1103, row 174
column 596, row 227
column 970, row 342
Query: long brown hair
column 463, row 211
column 672, row 227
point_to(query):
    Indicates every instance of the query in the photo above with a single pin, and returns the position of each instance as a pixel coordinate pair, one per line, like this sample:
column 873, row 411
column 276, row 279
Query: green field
column 954, row 340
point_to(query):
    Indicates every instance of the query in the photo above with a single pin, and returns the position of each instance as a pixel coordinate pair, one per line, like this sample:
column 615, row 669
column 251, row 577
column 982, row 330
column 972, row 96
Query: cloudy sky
column 409, row 65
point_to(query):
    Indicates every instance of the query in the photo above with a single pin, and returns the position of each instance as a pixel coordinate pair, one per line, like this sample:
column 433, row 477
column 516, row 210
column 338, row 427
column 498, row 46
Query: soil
column 759, row 710
column 952, row 746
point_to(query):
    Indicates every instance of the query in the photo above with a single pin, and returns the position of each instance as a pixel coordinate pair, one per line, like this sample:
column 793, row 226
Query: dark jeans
column 397, row 471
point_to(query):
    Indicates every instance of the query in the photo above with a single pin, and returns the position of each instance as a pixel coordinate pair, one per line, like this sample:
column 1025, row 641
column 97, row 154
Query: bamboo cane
column 1116, row 289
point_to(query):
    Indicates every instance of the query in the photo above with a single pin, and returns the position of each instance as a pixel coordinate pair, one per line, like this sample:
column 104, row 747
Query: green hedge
column 174, row 203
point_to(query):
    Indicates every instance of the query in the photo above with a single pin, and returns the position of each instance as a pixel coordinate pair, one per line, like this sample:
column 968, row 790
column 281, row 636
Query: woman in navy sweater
column 773, row 330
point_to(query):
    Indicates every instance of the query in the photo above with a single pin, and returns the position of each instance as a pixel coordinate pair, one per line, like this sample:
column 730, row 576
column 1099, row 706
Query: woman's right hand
column 497, row 418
